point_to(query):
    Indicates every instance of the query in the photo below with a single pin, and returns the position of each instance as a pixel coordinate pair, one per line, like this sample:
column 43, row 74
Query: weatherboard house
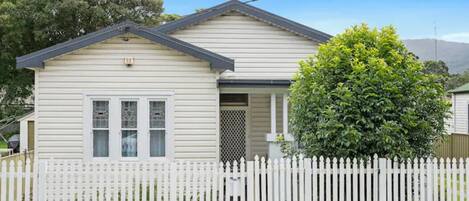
column 459, row 123
column 211, row 86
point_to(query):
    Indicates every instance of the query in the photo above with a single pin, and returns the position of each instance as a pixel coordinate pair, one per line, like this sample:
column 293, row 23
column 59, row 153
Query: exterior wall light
column 129, row 61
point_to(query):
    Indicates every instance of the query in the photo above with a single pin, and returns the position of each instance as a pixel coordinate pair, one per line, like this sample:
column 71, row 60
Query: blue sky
column 412, row 18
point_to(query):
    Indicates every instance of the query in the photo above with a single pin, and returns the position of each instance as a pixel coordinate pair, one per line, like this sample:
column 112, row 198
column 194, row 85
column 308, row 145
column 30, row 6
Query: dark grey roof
column 36, row 59
column 249, row 10
column 232, row 83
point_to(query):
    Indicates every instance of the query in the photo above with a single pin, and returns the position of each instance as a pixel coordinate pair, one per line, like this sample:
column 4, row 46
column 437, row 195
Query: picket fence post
column 40, row 181
column 256, row 192
column 382, row 179
column 27, row 180
column 173, row 176
column 250, row 180
column 3, row 189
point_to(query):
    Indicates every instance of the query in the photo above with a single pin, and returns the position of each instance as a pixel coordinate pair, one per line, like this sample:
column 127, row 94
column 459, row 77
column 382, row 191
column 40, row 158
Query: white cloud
column 457, row 37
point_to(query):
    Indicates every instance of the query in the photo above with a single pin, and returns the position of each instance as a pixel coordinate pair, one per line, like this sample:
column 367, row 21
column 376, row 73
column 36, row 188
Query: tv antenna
column 436, row 40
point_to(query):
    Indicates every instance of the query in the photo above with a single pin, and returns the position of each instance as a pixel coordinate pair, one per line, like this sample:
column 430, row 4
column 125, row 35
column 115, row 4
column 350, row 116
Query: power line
column 250, row 1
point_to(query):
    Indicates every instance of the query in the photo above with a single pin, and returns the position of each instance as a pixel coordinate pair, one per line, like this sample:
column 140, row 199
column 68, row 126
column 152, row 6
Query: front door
column 233, row 131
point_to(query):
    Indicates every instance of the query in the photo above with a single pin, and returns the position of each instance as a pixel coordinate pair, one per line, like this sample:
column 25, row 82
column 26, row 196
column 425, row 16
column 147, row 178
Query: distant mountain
column 455, row 55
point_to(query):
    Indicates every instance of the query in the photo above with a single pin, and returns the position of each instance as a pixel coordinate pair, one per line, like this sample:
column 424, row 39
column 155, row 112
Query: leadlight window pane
column 100, row 114
column 157, row 114
column 100, row 143
column 129, row 114
column 129, row 143
column 157, row 143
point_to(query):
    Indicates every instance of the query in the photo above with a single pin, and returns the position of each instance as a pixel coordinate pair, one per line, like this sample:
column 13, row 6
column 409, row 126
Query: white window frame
column 167, row 126
column 138, row 128
column 109, row 127
column 115, row 99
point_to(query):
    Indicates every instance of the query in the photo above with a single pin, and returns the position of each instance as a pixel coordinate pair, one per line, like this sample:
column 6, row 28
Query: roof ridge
column 285, row 19
column 36, row 59
column 249, row 10
column 186, row 17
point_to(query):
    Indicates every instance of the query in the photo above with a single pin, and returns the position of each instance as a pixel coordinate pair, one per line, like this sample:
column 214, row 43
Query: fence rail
column 302, row 179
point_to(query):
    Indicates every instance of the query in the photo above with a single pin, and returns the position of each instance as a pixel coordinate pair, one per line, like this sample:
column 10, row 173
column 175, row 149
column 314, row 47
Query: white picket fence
column 16, row 180
column 259, row 180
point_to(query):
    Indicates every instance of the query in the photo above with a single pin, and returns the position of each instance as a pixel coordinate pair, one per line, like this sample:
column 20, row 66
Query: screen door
column 233, row 130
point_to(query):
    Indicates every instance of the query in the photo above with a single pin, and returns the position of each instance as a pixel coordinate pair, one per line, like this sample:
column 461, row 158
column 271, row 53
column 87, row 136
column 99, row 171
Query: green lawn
column 3, row 145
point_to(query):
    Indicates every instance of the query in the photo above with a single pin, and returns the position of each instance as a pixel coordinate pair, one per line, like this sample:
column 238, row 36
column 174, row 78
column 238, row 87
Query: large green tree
column 362, row 94
column 30, row 25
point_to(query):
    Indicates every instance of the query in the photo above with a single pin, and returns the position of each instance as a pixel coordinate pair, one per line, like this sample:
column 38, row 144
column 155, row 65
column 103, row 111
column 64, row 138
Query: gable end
column 262, row 15
column 36, row 59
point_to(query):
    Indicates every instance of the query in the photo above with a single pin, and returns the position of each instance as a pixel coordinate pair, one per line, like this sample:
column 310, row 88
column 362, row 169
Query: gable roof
column 461, row 89
column 36, row 59
column 249, row 10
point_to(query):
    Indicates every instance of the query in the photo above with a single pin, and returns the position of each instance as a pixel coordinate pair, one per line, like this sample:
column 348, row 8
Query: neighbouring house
column 27, row 132
column 210, row 86
column 456, row 144
column 459, row 122
column 17, row 130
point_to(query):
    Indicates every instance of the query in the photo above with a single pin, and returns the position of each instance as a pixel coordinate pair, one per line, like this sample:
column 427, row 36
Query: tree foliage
column 439, row 69
column 30, row 25
column 364, row 94
column 457, row 80
column 436, row 67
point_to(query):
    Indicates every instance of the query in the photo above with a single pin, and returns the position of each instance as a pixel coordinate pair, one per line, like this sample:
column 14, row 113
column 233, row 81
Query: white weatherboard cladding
column 99, row 67
column 260, row 123
column 460, row 110
column 260, row 50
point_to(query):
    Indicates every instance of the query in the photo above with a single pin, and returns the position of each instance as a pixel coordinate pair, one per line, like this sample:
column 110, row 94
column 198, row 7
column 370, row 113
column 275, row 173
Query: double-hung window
column 157, row 110
column 100, row 128
column 129, row 127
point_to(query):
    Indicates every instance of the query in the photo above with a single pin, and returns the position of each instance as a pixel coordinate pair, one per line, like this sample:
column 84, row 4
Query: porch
column 251, row 117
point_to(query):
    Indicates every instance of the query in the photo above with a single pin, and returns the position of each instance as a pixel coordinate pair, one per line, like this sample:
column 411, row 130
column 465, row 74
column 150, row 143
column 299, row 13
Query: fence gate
column 233, row 130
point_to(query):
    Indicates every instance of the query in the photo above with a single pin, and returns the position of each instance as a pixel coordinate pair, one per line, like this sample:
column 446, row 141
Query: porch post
column 271, row 138
column 273, row 117
column 274, row 147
